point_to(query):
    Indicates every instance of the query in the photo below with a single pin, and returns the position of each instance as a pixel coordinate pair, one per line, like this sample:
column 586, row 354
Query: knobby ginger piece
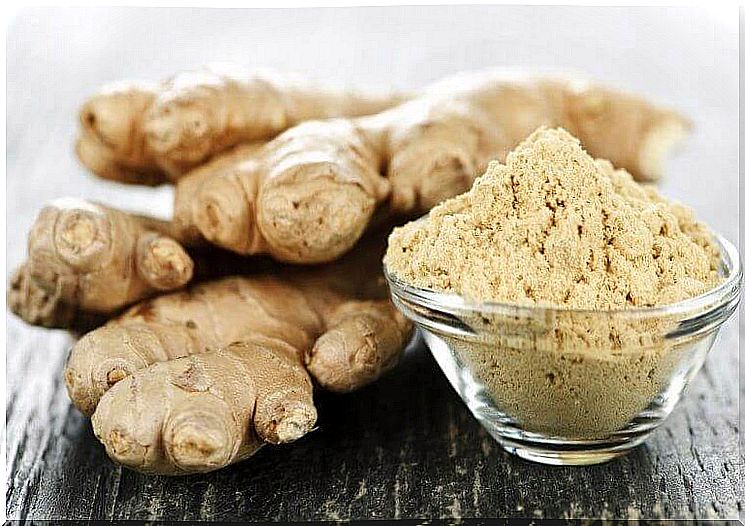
column 149, row 133
column 198, row 379
column 203, row 412
column 86, row 258
column 309, row 194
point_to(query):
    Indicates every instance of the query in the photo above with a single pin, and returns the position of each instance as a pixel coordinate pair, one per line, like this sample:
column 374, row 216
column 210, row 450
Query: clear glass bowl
column 571, row 387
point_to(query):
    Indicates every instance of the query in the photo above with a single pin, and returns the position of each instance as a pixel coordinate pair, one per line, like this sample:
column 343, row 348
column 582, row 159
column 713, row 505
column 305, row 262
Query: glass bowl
column 571, row 387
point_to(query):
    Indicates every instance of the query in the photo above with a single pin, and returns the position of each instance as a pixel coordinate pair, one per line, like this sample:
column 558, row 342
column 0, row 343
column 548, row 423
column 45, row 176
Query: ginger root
column 149, row 133
column 86, row 258
column 206, row 411
column 37, row 306
column 308, row 195
column 198, row 379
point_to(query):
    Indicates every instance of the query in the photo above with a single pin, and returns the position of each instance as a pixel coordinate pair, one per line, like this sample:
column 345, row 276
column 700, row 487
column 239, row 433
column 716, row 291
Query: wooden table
column 405, row 447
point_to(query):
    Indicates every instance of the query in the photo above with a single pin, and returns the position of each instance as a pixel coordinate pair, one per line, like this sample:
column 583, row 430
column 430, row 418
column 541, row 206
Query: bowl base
column 558, row 451
column 554, row 456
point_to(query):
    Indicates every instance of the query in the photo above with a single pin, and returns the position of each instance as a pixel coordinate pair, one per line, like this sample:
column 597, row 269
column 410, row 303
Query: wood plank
column 405, row 447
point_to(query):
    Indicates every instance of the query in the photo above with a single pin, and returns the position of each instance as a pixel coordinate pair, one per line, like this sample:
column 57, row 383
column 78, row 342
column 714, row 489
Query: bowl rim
column 730, row 286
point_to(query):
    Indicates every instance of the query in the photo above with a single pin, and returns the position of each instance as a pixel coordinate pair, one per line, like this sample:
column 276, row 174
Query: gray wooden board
column 405, row 447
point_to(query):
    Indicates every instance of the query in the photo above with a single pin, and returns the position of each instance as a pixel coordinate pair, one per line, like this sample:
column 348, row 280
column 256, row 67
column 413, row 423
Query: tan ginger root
column 87, row 258
column 151, row 133
column 308, row 195
column 206, row 411
column 37, row 306
column 170, row 393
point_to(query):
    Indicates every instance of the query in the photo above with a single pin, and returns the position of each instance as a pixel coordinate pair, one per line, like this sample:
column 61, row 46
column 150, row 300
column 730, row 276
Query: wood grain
column 405, row 447
column 402, row 448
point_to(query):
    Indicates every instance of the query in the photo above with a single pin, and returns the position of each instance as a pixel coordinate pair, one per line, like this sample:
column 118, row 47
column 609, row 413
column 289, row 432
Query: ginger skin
column 87, row 258
column 308, row 195
column 37, row 306
column 222, row 400
column 147, row 133
column 206, row 411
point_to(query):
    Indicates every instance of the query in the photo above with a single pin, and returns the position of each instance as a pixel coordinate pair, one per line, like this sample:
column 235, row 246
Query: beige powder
column 556, row 227
column 553, row 227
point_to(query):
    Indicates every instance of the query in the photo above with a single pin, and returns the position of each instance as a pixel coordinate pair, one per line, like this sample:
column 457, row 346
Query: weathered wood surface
column 405, row 447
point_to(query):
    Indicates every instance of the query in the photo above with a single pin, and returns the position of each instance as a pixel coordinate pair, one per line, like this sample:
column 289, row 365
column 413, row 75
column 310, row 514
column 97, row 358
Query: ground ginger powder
column 555, row 228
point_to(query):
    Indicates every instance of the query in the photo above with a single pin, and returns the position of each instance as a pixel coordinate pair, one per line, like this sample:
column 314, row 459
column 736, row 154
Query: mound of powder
column 554, row 226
